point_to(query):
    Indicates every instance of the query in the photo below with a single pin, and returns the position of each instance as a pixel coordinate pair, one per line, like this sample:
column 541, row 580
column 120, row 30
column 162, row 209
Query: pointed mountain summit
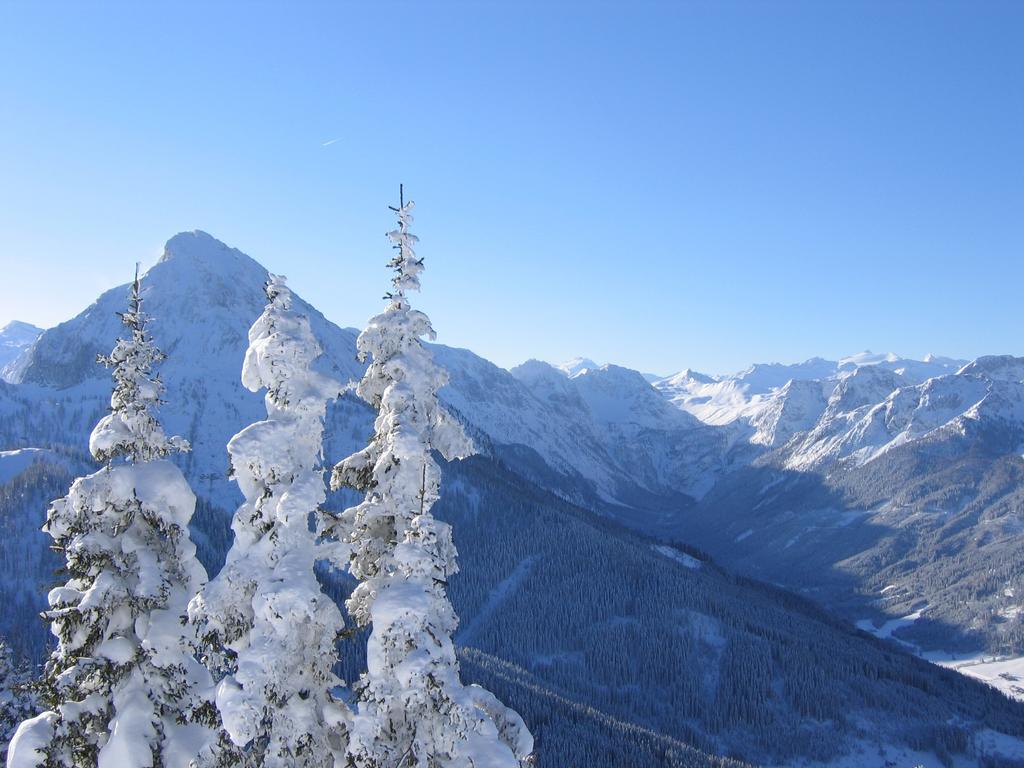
column 15, row 338
column 19, row 333
column 995, row 367
column 688, row 374
column 202, row 297
column 576, row 366
column 200, row 247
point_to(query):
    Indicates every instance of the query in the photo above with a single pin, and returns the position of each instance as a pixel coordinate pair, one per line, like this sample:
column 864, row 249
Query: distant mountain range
column 881, row 486
column 596, row 520
column 886, row 487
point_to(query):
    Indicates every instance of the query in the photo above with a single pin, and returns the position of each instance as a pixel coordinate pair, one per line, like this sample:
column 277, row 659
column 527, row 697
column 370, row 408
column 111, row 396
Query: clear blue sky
column 659, row 185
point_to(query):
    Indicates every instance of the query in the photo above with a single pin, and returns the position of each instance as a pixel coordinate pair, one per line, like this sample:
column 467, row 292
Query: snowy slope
column 15, row 338
column 662, row 447
column 713, row 401
column 620, row 396
column 13, row 463
column 723, row 399
column 505, row 409
column 795, row 408
column 649, row 633
column 651, row 444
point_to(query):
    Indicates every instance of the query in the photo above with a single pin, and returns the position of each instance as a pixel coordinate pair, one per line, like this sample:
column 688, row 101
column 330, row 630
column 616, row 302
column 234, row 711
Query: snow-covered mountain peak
column 549, row 384
column 200, row 247
column 913, row 371
column 687, row 376
column 15, row 339
column 795, row 408
column 610, row 371
column 882, row 406
column 19, row 332
column 867, row 357
column 759, row 396
column 546, row 381
column 932, row 359
column 607, row 393
column 995, row 368
column 533, row 370
column 614, row 412
column 622, row 395
column 198, row 269
column 762, row 378
column 867, row 385
column 576, row 366
column 202, row 297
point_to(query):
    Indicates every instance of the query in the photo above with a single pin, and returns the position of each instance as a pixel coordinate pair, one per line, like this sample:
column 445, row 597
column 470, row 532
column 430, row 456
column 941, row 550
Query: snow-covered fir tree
column 412, row 709
column 265, row 610
column 123, row 688
column 17, row 699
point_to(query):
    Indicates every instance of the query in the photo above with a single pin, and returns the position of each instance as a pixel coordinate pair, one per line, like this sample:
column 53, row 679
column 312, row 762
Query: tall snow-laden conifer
column 123, row 686
column 412, row 708
column 265, row 609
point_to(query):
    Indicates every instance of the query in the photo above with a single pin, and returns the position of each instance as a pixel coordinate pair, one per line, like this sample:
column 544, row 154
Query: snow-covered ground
column 1003, row 672
column 13, row 463
column 885, row 631
column 687, row 561
column 1006, row 673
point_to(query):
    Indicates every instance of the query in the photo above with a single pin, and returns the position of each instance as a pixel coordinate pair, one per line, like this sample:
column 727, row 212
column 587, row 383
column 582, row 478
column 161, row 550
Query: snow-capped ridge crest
column 867, row 357
column 19, row 329
column 762, row 378
column 533, row 370
column 867, row 384
column 995, row 367
column 688, row 375
column 576, row 366
column 879, row 407
column 612, row 372
column 201, row 248
column 622, row 395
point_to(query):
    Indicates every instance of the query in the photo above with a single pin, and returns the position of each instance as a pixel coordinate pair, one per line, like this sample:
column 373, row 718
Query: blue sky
column 659, row 185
